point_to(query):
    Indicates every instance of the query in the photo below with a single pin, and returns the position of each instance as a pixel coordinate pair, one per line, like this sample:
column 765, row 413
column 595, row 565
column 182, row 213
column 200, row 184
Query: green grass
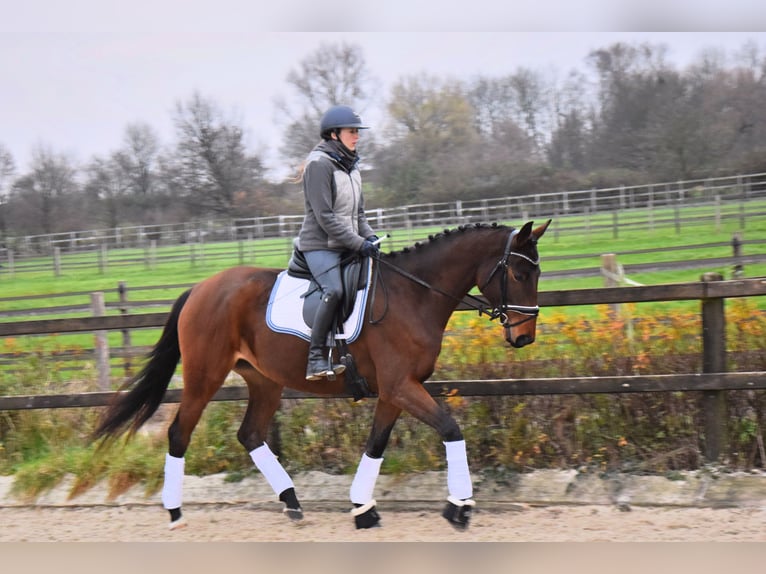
column 174, row 266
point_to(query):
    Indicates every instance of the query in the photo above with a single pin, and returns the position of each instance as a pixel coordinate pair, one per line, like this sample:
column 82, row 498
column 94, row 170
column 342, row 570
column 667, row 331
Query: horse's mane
column 437, row 237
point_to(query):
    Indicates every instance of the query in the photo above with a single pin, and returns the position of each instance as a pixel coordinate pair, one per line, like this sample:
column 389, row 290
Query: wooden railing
column 711, row 291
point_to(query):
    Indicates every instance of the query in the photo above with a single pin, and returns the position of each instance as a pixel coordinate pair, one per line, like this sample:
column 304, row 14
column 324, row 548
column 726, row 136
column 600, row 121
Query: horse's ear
column 523, row 235
column 538, row 233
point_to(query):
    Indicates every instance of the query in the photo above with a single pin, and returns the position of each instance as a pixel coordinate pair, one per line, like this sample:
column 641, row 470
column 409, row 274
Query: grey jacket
column 334, row 206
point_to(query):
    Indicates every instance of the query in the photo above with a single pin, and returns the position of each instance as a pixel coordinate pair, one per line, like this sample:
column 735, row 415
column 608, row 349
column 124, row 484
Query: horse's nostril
column 522, row 340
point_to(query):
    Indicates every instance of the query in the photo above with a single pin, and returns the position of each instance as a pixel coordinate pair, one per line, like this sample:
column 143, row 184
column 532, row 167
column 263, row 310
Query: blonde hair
column 298, row 177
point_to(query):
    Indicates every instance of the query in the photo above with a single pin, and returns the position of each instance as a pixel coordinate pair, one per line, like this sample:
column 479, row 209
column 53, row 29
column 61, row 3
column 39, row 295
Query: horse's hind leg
column 198, row 390
column 264, row 401
column 362, row 488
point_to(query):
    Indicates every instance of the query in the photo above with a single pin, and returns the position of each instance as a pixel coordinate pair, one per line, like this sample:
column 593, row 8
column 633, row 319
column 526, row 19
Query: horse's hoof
column 365, row 516
column 177, row 524
column 458, row 512
column 292, row 507
column 293, row 513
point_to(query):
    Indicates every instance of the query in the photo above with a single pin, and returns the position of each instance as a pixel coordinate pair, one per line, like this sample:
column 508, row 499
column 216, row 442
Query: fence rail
column 726, row 196
column 713, row 382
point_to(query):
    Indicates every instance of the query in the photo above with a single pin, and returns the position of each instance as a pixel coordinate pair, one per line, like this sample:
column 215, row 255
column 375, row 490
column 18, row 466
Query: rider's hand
column 369, row 249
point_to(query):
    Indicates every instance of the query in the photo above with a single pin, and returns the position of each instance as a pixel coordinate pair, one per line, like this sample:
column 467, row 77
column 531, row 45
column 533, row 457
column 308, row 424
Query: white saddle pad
column 285, row 311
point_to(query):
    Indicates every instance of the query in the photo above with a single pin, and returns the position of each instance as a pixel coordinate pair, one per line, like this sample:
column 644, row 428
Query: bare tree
column 107, row 182
column 7, row 171
column 333, row 74
column 211, row 162
column 570, row 136
column 139, row 155
column 44, row 191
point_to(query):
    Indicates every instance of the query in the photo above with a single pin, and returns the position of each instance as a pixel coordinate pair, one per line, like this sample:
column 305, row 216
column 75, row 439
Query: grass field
column 564, row 247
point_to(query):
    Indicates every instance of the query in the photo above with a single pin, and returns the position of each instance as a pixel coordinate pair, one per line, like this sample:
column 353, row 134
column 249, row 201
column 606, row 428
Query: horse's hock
column 319, row 490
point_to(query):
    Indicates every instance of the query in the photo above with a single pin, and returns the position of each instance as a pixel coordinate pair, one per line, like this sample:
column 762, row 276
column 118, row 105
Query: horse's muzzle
column 520, row 341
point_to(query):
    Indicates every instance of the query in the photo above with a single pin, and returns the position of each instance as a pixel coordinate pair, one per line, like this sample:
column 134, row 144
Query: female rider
column 334, row 223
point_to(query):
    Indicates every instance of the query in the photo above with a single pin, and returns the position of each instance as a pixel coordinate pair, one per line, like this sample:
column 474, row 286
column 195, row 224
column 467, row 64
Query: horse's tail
column 129, row 411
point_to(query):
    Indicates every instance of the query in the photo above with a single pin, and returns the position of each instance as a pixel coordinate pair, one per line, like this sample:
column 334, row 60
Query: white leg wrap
column 267, row 463
column 458, row 477
column 364, row 481
column 172, row 489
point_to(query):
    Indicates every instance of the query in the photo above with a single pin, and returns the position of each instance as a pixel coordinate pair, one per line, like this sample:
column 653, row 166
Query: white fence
column 723, row 190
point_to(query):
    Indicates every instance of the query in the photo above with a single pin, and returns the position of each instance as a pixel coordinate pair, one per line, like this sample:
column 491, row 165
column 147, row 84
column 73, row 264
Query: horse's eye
column 519, row 276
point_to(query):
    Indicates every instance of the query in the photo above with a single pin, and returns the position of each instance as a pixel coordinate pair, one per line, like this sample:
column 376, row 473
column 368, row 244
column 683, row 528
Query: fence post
column 57, row 261
column 102, row 257
column 739, row 269
column 122, row 289
column 101, row 343
column 714, row 361
column 611, row 272
column 717, row 213
column 151, row 254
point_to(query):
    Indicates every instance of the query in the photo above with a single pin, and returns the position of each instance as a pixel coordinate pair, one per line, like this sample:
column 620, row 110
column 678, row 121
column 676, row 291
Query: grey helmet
column 339, row 117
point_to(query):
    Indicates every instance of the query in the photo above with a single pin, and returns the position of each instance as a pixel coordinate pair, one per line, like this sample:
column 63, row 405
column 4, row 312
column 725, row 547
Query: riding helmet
column 339, row 117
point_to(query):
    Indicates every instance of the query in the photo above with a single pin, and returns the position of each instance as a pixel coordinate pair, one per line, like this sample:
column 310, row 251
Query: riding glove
column 369, row 249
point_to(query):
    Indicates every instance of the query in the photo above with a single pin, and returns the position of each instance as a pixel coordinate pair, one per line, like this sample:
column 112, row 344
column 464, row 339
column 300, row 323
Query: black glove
column 373, row 238
column 369, row 249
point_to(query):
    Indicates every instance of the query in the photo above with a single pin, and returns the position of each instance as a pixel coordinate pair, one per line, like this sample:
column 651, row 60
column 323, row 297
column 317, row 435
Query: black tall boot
column 318, row 364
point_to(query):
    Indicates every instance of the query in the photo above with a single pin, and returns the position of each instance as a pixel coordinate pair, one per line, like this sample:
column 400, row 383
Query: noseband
column 500, row 311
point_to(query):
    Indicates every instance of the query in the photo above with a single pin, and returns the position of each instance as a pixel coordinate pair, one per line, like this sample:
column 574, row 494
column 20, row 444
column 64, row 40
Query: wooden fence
column 711, row 291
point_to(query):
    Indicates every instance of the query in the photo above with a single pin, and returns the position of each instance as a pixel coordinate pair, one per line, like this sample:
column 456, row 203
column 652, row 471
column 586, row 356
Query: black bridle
column 473, row 302
column 500, row 311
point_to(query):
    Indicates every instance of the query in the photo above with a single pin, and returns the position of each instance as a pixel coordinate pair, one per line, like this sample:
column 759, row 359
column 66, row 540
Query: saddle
column 353, row 272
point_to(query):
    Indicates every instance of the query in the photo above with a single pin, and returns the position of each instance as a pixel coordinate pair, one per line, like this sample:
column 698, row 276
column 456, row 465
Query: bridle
column 500, row 311
column 473, row 302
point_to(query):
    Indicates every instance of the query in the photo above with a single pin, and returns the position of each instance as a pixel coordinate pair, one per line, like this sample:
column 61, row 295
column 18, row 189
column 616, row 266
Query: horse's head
column 511, row 285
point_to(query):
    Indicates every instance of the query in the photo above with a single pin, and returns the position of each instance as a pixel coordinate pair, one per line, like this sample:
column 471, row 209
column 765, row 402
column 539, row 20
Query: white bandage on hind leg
column 172, row 489
column 266, row 461
column 364, row 481
column 458, row 477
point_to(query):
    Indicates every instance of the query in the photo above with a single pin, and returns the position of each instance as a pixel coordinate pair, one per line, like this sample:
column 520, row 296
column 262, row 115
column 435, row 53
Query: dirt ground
column 512, row 523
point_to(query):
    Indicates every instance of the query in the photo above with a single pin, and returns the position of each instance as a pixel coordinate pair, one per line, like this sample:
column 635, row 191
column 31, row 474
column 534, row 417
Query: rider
column 334, row 223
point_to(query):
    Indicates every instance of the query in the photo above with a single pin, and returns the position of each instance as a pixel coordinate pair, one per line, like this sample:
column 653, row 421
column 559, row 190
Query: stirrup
column 313, row 375
column 333, row 369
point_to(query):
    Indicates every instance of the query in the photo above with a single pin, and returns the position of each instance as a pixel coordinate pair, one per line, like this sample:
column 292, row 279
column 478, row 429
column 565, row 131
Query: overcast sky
column 74, row 74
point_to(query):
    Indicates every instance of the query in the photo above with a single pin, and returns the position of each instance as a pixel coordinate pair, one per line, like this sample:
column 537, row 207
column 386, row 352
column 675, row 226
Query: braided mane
column 467, row 228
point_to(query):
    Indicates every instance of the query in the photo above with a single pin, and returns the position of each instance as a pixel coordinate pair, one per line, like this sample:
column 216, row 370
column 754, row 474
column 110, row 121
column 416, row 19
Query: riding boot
column 318, row 363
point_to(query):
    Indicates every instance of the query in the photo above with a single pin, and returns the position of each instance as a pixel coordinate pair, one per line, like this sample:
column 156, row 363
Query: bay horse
column 219, row 326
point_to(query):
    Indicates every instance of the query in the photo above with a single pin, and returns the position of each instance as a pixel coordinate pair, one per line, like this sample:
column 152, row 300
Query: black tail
column 131, row 410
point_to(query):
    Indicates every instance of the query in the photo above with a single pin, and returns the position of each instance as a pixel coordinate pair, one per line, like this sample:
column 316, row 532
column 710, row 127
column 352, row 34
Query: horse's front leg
column 413, row 398
column 362, row 488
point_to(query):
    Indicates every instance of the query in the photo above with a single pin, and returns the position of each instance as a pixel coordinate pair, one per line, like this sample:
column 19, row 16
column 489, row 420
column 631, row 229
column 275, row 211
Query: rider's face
column 349, row 137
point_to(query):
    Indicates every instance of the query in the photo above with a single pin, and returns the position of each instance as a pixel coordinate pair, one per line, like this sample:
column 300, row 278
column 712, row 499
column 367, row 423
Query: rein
column 473, row 302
